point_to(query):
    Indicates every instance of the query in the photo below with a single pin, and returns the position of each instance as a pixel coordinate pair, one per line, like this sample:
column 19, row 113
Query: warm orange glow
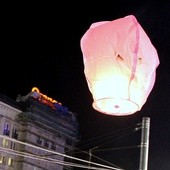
column 44, row 98
column 119, row 64
column 35, row 89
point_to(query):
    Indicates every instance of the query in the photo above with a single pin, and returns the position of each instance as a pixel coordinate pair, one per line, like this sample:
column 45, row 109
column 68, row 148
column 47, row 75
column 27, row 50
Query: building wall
column 44, row 144
column 8, row 128
column 33, row 143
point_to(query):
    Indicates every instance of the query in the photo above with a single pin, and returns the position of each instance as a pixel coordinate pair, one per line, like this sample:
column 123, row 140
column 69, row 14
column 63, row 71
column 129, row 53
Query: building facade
column 37, row 133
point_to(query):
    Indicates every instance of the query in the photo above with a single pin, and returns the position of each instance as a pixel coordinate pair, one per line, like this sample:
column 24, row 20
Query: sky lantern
column 119, row 65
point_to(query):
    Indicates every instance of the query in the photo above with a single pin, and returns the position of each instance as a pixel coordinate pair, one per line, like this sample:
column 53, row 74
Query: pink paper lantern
column 119, row 64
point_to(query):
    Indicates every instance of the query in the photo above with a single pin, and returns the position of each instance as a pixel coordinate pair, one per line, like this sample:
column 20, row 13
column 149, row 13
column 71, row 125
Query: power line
column 78, row 165
column 57, row 153
column 104, row 137
column 95, row 148
column 118, row 148
column 109, row 163
column 33, row 156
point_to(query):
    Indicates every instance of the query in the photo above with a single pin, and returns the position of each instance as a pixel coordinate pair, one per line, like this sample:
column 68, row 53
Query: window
column 53, row 146
column 5, row 142
column 12, row 145
column 39, row 140
column 1, row 159
column 10, row 161
column 14, row 133
column 6, row 129
column 46, row 143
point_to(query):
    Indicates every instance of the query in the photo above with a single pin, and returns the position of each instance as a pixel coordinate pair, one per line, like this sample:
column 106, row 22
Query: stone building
column 37, row 133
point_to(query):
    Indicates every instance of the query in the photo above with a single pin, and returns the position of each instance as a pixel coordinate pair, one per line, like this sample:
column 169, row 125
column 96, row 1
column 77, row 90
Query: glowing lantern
column 119, row 64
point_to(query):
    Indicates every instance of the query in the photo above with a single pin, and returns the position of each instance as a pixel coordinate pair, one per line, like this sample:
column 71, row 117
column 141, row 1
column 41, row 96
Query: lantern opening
column 117, row 107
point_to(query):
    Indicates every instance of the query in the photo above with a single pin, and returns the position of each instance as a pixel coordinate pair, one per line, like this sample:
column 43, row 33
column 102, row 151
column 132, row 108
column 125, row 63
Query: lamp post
column 144, row 144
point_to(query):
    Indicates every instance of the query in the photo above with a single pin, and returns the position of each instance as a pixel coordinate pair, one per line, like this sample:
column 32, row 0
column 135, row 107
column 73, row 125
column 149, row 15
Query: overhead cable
column 57, row 153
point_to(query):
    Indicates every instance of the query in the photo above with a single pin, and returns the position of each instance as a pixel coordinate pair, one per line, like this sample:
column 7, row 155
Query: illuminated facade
column 36, row 133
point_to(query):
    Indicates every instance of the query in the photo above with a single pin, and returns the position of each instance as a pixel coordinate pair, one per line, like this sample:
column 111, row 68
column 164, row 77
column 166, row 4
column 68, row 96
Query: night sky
column 40, row 46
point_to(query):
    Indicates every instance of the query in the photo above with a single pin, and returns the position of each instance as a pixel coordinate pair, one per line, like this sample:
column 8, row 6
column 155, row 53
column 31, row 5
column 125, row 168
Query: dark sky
column 40, row 46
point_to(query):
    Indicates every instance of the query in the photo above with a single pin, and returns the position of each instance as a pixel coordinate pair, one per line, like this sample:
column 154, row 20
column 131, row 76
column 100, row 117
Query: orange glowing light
column 44, row 98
